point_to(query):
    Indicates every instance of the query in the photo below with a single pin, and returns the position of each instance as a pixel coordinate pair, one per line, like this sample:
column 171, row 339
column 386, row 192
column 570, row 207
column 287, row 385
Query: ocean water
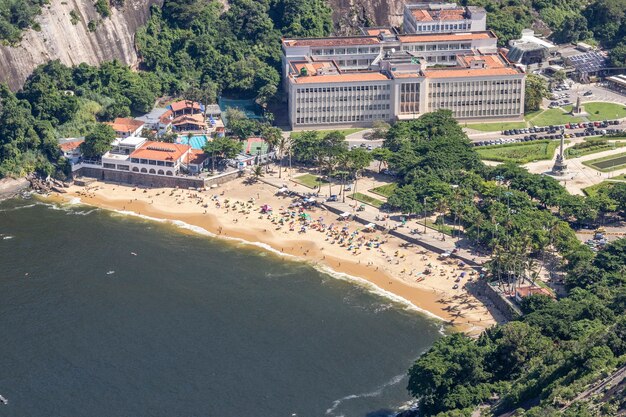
column 107, row 315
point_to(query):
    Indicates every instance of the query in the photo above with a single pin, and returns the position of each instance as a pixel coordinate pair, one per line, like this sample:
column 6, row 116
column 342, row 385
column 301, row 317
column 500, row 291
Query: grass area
column 607, row 163
column 620, row 177
column 363, row 198
column 346, row 132
column 443, row 228
column 552, row 117
column 496, row 127
column 310, row 180
column 604, row 111
column 575, row 152
column 595, row 189
column 385, row 190
column 520, row 153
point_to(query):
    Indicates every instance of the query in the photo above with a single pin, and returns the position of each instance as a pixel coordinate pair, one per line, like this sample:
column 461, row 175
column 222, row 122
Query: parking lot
column 569, row 130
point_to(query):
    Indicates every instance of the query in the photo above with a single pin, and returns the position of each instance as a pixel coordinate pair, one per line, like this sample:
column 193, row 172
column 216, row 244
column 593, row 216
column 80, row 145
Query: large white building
column 357, row 80
column 443, row 18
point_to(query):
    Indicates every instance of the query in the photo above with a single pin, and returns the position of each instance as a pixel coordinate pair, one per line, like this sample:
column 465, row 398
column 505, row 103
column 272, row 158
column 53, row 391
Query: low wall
column 136, row 178
column 157, row 181
column 508, row 309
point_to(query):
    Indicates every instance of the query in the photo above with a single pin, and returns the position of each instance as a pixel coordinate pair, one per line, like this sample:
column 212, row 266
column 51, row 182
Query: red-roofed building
column 71, row 150
column 159, row 158
column 125, row 127
column 182, row 107
column 523, row 292
column 189, row 123
column 197, row 160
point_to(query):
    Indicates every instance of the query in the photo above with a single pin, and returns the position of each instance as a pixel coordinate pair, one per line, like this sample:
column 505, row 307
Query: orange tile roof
column 70, row 146
column 421, row 15
column 378, row 31
column 437, row 37
column 424, row 15
column 337, row 41
column 470, row 72
column 160, row 151
column 185, row 104
column 166, row 117
column 523, row 292
column 125, row 125
column 196, row 119
column 341, row 78
column 197, row 156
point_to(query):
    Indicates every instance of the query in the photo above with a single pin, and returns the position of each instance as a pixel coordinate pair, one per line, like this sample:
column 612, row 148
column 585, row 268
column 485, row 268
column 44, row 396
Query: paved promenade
column 432, row 239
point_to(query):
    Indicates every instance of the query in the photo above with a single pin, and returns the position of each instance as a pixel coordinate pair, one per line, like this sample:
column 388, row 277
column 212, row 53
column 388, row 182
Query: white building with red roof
column 125, row 127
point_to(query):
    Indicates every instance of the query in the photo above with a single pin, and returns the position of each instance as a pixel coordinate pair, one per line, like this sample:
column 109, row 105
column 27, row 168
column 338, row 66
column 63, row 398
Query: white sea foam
column 372, row 288
column 7, row 237
column 378, row 391
column 18, row 208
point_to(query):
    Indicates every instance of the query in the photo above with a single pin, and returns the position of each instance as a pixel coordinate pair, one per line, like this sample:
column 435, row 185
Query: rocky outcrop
column 349, row 15
column 114, row 38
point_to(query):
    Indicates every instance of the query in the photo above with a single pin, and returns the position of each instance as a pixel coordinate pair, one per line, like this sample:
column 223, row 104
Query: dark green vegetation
column 191, row 48
column 570, row 20
column 607, row 163
column 330, row 154
column 520, row 153
column 559, row 347
column 591, row 146
column 195, row 44
column 15, row 16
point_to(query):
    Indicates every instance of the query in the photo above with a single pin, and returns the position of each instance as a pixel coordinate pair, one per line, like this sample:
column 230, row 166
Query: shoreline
column 381, row 276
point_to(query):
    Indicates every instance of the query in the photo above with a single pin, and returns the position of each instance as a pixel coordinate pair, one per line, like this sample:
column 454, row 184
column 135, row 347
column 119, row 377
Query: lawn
column 520, row 153
column 604, row 111
column 346, row 132
column 608, row 163
column 577, row 153
column 496, row 127
column 443, row 228
column 595, row 189
column 385, row 190
column 552, row 117
column 367, row 199
column 310, row 180
column 620, row 177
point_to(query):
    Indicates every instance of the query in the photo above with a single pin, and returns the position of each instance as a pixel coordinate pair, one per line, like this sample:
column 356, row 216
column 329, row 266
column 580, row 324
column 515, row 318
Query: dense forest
column 190, row 48
column 543, row 360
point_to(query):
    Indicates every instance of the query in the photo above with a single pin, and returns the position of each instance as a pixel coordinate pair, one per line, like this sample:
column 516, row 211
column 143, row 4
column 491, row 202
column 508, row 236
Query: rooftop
column 427, row 15
column 342, row 78
column 185, row 104
column 161, row 151
column 70, row 145
column 154, row 115
column 333, row 41
column 475, row 66
column 197, row 119
column 439, row 37
column 125, row 125
column 197, row 156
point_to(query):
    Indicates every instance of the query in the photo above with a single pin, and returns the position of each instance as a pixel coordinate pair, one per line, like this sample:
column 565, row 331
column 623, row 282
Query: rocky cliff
column 349, row 15
column 74, row 43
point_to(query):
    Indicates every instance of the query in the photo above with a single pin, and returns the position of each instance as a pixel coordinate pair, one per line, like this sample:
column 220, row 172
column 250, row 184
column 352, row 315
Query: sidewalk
column 430, row 240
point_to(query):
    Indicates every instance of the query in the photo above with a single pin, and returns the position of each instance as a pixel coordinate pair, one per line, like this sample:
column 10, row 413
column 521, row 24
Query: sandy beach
column 314, row 235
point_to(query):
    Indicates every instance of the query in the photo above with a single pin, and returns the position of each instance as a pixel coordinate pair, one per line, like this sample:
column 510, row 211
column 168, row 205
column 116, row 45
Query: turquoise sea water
column 108, row 315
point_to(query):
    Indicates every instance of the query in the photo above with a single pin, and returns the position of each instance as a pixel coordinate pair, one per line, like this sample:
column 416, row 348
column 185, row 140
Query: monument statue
column 560, row 167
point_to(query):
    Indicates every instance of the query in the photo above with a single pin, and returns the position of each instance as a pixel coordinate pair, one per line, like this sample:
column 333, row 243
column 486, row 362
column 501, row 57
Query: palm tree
column 257, row 172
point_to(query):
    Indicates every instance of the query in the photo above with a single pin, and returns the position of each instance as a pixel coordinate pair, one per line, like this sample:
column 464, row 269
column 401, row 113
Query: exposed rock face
column 349, row 15
column 114, row 38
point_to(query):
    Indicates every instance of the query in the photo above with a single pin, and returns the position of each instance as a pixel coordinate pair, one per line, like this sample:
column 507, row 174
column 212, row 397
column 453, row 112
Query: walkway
column 430, row 240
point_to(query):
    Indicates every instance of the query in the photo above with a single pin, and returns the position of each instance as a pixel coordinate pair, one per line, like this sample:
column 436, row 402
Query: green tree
column 223, row 148
column 382, row 155
column 98, row 141
column 536, row 91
